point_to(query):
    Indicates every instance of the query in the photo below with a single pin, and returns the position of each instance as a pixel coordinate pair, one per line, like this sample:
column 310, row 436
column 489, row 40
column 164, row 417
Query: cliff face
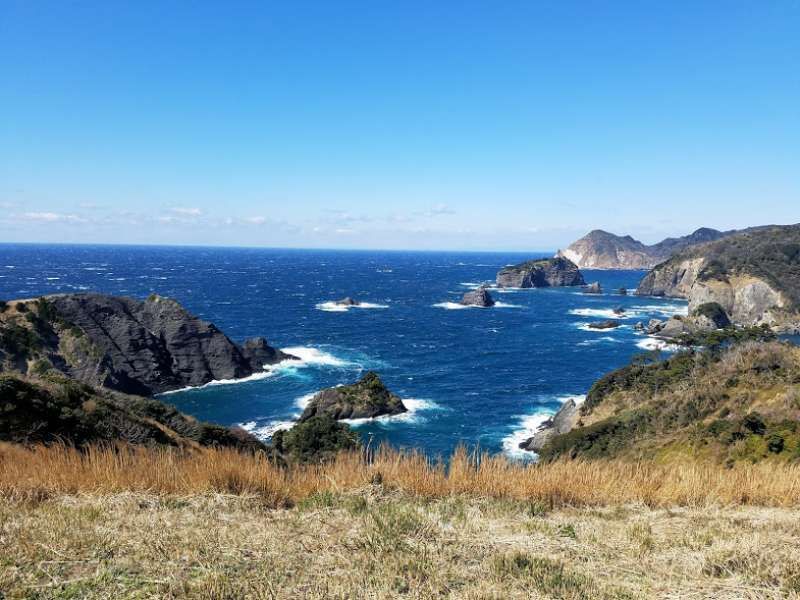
column 546, row 272
column 139, row 347
column 603, row 250
column 754, row 276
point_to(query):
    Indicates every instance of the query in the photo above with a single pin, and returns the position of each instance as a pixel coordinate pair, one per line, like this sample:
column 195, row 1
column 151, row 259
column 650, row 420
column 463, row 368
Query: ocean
column 479, row 377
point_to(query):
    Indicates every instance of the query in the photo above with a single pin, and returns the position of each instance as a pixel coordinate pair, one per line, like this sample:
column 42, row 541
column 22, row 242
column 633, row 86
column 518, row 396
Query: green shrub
column 316, row 439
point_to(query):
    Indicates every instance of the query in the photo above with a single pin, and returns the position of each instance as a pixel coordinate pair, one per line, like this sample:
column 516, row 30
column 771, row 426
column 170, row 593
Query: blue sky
column 430, row 125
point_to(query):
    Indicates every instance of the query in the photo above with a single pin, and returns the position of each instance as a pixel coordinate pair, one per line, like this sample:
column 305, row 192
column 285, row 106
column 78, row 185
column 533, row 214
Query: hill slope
column 754, row 276
column 603, row 250
column 737, row 404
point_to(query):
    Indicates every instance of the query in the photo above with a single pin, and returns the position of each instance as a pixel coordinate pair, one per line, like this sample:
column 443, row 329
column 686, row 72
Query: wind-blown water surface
column 477, row 376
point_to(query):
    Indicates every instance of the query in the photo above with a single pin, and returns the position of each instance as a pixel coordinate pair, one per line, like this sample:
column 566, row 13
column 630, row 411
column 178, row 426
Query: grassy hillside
column 736, row 404
column 54, row 408
column 147, row 523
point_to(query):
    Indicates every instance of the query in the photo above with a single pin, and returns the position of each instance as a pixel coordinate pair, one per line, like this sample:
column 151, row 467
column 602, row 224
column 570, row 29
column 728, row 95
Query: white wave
column 266, row 431
column 606, row 313
column 528, row 425
column 452, row 305
column 254, row 377
column 652, row 343
column 506, row 305
column 668, row 310
column 336, row 307
column 303, row 401
column 308, row 355
column 414, row 406
column 605, row 338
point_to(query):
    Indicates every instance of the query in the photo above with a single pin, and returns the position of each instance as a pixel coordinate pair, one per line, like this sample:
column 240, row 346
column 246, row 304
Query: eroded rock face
column 754, row 276
column 562, row 422
column 145, row 347
column 480, row 297
column 366, row 399
column 548, row 272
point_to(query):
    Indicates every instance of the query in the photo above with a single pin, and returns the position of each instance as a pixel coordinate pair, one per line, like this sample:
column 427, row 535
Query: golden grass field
column 142, row 523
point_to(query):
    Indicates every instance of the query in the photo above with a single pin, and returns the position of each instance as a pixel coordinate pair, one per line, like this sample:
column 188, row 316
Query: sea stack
column 480, row 297
column 593, row 288
column 546, row 272
column 366, row 399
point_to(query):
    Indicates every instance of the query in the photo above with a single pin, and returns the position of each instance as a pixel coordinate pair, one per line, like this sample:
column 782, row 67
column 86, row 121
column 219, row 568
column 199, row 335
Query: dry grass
column 42, row 472
column 378, row 544
column 144, row 523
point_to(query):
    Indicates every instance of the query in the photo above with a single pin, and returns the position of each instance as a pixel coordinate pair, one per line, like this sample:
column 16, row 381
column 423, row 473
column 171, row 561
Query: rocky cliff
column 132, row 346
column 560, row 423
column 547, row 272
column 754, row 276
column 603, row 250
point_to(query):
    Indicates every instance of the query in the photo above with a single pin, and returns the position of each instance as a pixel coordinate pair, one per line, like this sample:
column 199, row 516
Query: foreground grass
column 373, row 543
column 148, row 523
column 42, row 472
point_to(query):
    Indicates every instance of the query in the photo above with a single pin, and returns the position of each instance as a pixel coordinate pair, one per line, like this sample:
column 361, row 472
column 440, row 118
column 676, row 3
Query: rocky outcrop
column 480, row 297
column 366, row 399
column 603, row 250
column 132, row 346
column 610, row 324
column 562, row 422
column 347, row 301
column 593, row 288
column 547, row 272
column 753, row 276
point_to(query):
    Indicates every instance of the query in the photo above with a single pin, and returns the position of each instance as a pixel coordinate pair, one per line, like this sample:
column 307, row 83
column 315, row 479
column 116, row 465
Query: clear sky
column 438, row 125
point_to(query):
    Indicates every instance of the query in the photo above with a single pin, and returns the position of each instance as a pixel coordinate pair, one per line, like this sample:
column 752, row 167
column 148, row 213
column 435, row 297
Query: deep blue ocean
column 484, row 377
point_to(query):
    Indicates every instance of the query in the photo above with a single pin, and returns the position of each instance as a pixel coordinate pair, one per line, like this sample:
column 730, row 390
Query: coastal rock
column 622, row 291
column 480, row 297
column 753, row 276
column 673, row 328
column 654, row 326
column 562, row 422
column 132, row 346
column 610, row 324
column 347, row 301
column 548, row 272
column 619, row 310
column 603, row 250
column 593, row 288
column 366, row 399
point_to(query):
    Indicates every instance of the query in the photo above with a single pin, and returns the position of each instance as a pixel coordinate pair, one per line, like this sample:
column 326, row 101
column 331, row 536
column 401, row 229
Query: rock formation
column 593, row 288
column 610, row 324
column 132, row 346
column 347, row 301
column 366, row 399
column 753, row 276
column 480, row 297
column 603, row 250
column 547, row 272
column 562, row 422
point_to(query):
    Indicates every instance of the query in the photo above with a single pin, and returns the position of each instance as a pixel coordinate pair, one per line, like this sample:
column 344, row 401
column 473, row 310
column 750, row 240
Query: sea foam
column 332, row 306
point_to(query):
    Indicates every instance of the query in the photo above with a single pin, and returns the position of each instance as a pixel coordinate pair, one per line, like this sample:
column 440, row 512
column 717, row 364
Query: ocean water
column 480, row 377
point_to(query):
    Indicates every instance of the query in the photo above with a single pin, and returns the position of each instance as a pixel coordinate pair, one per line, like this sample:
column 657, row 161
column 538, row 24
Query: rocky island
column 480, row 297
column 142, row 347
column 366, row 399
column 754, row 277
column 546, row 272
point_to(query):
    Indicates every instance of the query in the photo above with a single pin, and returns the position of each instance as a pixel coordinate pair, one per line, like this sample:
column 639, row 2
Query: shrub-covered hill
column 753, row 275
column 740, row 403
column 53, row 408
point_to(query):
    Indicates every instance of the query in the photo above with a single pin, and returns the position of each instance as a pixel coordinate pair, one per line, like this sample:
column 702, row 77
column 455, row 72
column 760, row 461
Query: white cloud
column 186, row 211
column 257, row 220
column 52, row 217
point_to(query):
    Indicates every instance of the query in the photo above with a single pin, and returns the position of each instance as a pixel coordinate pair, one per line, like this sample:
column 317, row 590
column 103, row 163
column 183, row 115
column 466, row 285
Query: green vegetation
column 730, row 403
column 716, row 339
column 55, row 408
column 315, row 439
